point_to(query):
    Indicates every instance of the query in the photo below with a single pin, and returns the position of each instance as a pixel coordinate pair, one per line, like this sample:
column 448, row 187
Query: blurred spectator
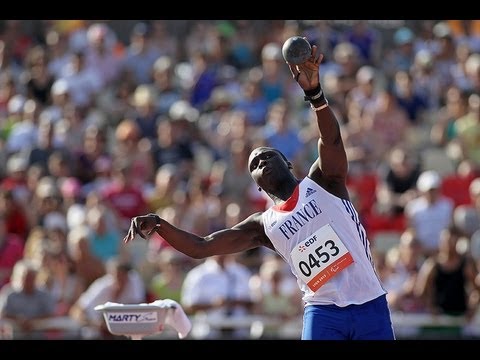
column 456, row 185
column 403, row 263
column 426, row 81
column 281, row 132
column 57, row 51
column 14, row 180
column 24, row 301
column 131, row 147
column 105, row 240
column 141, row 54
column 165, row 83
column 70, row 128
column 388, row 121
column 122, row 284
column 445, row 54
column 218, row 288
column 466, row 31
column 41, row 150
column 364, row 93
column 24, row 132
column 11, row 251
column 275, row 291
column 146, row 115
column 94, row 153
column 7, row 91
column 366, row 40
column 173, row 147
column 38, row 80
column 467, row 216
column 123, row 196
column 161, row 195
column 164, row 39
column 467, row 128
column 57, row 276
column 397, row 182
column 274, row 77
column 204, row 78
column 81, row 82
column 167, row 281
column 253, row 101
column 8, row 63
column 446, row 279
column 86, row 265
column 456, row 105
column 402, row 54
column 414, row 104
column 430, row 213
column 100, row 57
column 16, row 221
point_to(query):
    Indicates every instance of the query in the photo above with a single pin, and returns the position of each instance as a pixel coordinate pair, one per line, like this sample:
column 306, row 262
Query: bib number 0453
column 320, row 257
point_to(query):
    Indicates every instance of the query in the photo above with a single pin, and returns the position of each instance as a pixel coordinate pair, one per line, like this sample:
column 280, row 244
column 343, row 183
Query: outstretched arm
column 330, row 169
column 246, row 235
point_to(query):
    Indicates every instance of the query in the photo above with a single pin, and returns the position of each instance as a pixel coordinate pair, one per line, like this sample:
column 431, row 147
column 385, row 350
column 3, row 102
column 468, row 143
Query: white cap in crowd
column 429, row 180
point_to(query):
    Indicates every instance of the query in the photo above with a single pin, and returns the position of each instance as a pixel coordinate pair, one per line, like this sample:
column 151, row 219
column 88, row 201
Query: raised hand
column 306, row 74
column 143, row 225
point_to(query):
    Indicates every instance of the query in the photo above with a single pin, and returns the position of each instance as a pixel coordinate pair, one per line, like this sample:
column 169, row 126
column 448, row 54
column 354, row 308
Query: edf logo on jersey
column 307, row 243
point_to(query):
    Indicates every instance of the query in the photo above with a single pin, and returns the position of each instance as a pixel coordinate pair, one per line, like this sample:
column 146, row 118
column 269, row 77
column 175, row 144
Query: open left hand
column 143, row 225
column 307, row 73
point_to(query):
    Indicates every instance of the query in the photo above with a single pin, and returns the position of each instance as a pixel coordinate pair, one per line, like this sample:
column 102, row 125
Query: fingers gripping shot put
column 312, row 225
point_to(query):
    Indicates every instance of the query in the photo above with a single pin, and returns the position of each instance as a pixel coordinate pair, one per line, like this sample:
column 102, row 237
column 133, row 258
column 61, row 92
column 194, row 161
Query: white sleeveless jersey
column 321, row 238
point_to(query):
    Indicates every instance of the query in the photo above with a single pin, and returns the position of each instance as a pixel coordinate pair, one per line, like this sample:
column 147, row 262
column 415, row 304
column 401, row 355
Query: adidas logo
column 310, row 192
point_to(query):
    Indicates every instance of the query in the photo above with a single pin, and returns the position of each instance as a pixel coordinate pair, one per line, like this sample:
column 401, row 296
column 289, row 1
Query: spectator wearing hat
column 430, row 213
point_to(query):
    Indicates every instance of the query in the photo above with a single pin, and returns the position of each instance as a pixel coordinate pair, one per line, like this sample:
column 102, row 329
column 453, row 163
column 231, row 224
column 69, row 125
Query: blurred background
column 101, row 121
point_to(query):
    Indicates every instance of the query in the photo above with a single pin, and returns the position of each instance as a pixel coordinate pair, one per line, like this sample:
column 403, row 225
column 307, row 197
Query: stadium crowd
column 96, row 128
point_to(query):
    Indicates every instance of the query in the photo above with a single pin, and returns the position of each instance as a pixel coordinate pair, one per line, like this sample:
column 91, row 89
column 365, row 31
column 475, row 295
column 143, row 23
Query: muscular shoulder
column 335, row 185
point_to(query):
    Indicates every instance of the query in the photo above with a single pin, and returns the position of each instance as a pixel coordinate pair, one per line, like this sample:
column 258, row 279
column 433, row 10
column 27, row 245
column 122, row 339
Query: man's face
column 267, row 167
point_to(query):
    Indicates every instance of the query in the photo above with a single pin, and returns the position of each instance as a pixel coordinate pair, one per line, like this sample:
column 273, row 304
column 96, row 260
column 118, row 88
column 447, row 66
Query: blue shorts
column 369, row 321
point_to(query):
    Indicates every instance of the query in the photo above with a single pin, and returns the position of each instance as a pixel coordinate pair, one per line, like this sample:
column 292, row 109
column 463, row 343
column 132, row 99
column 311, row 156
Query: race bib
column 320, row 257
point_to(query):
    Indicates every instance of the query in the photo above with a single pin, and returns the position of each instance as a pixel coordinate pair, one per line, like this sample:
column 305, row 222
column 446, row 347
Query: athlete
column 312, row 225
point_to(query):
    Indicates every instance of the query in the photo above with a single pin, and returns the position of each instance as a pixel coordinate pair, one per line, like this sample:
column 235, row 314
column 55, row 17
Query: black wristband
column 157, row 218
column 314, row 94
